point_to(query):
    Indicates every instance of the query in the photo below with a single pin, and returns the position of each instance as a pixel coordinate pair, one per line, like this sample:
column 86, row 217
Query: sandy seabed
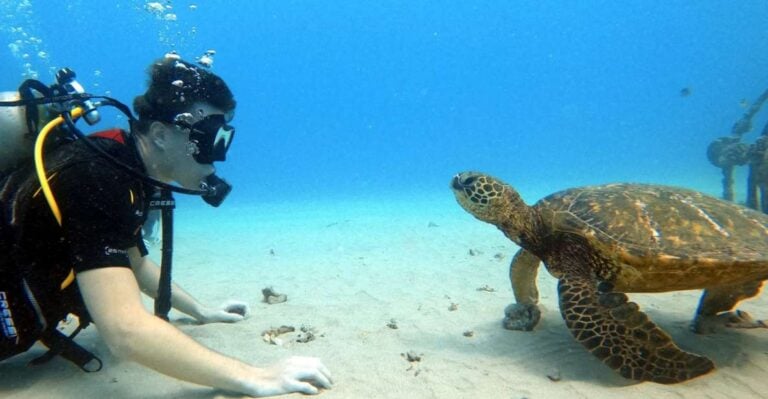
column 350, row 269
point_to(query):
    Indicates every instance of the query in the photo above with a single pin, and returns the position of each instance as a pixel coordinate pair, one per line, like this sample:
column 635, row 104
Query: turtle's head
column 492, row 201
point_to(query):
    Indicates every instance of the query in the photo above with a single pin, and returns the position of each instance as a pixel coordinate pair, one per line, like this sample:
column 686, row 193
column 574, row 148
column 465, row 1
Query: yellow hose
column 40, row 166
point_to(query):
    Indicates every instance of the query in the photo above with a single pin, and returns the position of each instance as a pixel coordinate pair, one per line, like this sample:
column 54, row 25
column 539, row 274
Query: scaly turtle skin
column 603, row 241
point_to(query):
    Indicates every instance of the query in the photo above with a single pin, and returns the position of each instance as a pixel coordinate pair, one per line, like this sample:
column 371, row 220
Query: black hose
column 163, row 300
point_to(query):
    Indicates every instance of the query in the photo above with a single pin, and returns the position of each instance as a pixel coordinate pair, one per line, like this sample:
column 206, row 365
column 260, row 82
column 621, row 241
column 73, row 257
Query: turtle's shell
column 661, row 229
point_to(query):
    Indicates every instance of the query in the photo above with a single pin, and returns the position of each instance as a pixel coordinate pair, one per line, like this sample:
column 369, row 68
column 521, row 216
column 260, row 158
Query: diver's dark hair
column 174, row 85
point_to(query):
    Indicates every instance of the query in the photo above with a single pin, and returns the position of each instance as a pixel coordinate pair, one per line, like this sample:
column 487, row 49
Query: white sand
column 348, row 269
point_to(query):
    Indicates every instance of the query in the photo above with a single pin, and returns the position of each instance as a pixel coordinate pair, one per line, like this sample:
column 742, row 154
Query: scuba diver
column 71, row 222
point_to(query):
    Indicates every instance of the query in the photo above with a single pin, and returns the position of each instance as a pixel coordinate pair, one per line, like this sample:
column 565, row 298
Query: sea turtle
column 603, row 241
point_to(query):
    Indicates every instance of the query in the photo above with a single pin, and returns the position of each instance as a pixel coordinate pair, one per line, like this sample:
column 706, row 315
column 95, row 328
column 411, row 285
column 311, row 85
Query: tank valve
column 65, row 77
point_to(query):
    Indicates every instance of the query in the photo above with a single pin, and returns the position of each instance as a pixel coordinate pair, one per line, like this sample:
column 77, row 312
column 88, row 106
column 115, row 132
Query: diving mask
column 212, row 136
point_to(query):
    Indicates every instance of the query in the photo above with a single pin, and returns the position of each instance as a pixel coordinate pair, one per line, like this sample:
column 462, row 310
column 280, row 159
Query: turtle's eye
column 469, row 180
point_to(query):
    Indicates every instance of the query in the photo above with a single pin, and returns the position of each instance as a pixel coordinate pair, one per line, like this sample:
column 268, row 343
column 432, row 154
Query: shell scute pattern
column 665, row 223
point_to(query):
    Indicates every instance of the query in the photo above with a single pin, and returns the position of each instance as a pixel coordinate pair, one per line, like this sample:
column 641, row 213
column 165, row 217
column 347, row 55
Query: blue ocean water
column 358, row 99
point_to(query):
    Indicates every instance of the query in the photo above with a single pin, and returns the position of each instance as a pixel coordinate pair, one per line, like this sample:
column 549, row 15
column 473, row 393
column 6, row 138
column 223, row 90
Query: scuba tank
column 16, row 143
column 28, row 112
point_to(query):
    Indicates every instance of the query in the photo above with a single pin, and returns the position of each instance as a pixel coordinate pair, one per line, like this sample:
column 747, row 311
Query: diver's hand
column 295, row 374
column 229, row 312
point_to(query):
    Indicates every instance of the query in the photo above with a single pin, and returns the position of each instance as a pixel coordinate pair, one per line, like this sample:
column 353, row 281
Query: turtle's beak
column 456, row 183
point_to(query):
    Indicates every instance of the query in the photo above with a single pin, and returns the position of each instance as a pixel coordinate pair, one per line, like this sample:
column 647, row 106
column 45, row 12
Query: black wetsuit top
column 102, row 207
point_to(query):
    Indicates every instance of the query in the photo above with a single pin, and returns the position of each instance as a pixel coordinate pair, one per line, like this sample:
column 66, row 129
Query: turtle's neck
column 522, row 223
column 532, row 236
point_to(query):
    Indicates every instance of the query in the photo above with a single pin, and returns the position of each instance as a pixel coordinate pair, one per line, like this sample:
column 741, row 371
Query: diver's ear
column 158, row 135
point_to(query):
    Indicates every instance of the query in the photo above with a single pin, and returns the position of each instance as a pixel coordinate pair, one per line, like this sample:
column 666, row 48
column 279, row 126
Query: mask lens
column 223, row 140
column 213, row 137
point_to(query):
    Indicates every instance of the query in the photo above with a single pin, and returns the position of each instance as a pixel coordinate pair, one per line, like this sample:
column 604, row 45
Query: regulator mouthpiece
column 217, row 189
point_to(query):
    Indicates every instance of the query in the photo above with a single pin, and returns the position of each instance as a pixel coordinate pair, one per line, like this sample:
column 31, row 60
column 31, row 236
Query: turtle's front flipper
column 525, row 313
column 621, row 336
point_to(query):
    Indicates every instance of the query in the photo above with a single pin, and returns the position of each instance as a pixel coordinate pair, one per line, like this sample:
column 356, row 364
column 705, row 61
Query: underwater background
column 341, row 100
column 352, row 118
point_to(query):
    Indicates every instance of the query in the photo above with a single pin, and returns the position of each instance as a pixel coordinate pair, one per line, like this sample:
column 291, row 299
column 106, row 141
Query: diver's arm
column 148, row 275
column 113, row 300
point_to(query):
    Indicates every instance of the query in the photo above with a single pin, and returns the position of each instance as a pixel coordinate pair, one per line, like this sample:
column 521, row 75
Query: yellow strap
column 70, row 278
column 40, row 190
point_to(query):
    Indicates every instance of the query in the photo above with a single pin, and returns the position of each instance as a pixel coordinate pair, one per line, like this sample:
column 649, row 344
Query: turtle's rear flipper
column 736, row 319
column 622, row 337
column 717, row 303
